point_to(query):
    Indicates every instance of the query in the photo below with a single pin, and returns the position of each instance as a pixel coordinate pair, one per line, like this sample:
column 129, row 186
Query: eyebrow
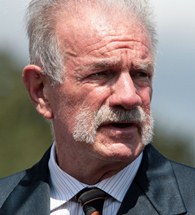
column 103, row 64
column 147, row 66
column 108, row 63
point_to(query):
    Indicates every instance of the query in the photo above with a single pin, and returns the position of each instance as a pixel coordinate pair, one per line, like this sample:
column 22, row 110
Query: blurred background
column 24, row 135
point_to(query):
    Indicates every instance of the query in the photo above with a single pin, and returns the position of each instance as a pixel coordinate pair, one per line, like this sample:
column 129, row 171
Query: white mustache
column 113, row 115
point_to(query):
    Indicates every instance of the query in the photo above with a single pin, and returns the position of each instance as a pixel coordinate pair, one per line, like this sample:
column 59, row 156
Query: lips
column 120, row 125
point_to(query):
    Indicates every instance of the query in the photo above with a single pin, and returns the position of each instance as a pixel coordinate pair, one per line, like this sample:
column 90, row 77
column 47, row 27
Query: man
column 92, row 64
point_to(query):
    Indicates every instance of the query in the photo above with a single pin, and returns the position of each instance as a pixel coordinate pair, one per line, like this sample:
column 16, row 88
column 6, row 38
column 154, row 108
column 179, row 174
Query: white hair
column 44, row 49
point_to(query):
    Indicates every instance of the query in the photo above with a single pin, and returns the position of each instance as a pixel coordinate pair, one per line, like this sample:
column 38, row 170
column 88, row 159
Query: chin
column 119, row 151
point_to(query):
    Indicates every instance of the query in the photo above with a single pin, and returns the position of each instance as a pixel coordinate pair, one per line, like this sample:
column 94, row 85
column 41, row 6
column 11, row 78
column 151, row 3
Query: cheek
column 146, row 96
column 67, row 106
column 64, row 105
column 95, row 97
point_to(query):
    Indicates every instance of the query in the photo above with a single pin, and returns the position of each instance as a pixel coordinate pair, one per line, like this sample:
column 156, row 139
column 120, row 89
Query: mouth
column 120, row 130
column 120, row 125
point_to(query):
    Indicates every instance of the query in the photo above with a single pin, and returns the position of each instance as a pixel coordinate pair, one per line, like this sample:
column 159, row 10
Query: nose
column 124, row 93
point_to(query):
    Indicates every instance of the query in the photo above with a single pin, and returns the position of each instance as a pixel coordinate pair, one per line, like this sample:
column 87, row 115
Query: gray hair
column 44, row 48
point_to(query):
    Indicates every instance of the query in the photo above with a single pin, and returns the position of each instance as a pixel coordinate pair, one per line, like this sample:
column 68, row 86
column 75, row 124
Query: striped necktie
column 92, row 200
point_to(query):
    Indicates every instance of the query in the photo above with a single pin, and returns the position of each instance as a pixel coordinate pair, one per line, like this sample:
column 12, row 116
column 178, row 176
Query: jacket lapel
column 136, row 203
column 29, row 200
column 154, row 189
column 32, row 194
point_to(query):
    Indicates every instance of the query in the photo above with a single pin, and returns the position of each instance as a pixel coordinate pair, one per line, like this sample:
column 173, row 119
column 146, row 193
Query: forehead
column 90, row 27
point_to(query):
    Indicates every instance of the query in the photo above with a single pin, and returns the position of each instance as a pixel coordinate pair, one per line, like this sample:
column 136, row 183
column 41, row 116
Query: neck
column 89, row 170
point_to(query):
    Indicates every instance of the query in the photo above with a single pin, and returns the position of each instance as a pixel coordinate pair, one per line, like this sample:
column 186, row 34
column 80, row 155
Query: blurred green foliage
column 24, row 135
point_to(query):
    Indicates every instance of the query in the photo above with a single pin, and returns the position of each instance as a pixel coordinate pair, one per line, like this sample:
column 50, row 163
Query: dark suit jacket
column 160, row 187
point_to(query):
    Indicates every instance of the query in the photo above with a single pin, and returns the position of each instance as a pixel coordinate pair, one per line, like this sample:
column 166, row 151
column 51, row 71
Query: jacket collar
column 155, row 188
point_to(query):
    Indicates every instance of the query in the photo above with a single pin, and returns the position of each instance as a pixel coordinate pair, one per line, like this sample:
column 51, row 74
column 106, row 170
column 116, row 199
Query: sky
column 174, row 89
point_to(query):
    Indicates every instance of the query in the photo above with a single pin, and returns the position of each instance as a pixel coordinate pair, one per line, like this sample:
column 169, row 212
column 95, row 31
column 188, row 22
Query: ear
column 35, row 82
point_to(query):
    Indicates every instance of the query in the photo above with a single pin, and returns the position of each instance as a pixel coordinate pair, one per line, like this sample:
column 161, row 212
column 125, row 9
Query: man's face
column 102, row 109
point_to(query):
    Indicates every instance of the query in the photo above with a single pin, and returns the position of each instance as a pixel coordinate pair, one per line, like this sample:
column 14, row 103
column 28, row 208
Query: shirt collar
column 64, row 187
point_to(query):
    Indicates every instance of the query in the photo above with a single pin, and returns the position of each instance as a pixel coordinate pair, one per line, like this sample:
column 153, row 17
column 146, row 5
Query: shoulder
column 8, row 184
column 35, row 174
column 185, row 181
column 167, row 175
column 183, row 171
column 185, row 175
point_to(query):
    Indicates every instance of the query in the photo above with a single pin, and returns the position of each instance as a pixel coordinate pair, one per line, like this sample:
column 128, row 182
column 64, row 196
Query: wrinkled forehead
column 87, row 22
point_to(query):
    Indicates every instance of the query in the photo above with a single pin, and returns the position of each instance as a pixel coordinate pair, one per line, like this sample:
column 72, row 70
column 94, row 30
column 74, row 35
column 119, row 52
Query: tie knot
column 92, row 200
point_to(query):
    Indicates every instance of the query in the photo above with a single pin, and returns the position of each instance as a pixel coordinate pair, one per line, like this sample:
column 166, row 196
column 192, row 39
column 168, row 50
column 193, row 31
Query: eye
column 141, row 74
column 100, row 75
column 141, row 77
